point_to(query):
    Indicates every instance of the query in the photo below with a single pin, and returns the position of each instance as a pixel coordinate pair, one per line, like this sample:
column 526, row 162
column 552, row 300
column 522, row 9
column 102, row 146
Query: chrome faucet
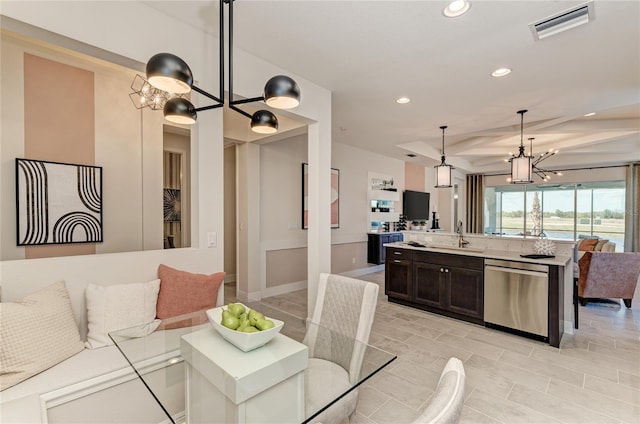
column 461, row 241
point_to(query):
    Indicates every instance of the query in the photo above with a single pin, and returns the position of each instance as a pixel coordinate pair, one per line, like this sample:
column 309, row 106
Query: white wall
column 281, row 199
column 354, row 165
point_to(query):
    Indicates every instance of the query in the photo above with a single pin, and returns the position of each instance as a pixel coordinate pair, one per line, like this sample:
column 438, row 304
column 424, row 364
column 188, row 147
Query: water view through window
column 561, row 211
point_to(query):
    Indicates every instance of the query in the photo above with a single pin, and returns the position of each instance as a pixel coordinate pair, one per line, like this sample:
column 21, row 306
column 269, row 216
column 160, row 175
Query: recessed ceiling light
column 589, row 114
column 501, row 72
column 403, row 100
column 456, row 8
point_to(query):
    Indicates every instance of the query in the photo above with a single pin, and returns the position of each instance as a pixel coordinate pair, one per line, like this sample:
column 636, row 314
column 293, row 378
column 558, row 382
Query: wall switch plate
column 212, row 239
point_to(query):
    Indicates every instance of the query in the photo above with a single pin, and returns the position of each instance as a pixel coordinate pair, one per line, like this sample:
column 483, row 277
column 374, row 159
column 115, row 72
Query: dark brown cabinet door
column 398, row 278
column 429, row 284
column 465, row 293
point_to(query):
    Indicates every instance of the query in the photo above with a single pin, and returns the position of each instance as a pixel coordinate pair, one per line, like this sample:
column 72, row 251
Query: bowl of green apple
column 243, row 327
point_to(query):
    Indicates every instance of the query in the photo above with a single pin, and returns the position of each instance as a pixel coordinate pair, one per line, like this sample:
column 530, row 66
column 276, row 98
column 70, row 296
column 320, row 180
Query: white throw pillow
column 36, row 333
column 117, row 307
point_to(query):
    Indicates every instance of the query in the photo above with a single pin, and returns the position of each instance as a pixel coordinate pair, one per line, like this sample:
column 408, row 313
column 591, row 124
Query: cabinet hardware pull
column 397, row 261
column 441, row 269
column 397, row 253
column 446, row 270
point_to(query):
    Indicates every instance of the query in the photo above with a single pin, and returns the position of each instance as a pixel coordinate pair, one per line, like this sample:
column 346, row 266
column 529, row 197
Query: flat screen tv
column 415, row 205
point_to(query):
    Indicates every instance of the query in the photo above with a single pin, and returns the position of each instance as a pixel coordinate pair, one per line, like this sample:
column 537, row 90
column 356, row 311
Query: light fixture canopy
column 443, row 171
column 521, row 164
column 171, row 75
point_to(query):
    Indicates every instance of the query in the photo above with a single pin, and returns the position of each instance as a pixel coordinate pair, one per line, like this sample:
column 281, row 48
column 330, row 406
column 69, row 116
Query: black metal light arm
column 204, row 93
column 240, row 111
column 251, row 100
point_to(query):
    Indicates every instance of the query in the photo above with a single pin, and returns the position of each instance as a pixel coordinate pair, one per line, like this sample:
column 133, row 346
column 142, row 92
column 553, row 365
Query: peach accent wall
column 413, row 177
column 59, row 126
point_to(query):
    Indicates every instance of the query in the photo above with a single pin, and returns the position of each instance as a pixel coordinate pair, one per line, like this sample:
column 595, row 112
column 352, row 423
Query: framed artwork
column 58, row 203
column 335, row 197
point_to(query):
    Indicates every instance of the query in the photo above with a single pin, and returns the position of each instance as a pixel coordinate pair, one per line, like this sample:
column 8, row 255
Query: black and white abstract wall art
column 58, row 203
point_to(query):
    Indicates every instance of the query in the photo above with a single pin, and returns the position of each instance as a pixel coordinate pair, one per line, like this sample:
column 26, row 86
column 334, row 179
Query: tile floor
column 593, row 378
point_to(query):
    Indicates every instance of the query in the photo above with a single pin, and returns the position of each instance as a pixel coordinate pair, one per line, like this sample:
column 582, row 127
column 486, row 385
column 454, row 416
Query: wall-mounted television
column 415, row 205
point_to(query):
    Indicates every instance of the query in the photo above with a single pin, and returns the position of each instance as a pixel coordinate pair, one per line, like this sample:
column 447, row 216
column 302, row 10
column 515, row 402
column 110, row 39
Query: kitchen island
column 450, row 280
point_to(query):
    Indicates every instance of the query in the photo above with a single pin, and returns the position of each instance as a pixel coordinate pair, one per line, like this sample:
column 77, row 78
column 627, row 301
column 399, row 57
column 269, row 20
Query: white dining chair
column 445, row 406
column 337, row 337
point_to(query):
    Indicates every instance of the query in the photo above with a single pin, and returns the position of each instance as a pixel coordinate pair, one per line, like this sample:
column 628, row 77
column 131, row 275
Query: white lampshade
column 443, row 175
column 521, row 170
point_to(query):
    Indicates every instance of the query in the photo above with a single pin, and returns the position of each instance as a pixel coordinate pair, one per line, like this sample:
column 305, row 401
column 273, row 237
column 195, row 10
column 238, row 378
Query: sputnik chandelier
column 169, row 80
column 524, row 166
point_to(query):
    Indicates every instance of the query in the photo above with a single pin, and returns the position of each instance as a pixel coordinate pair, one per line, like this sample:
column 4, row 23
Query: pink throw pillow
column 183, row 292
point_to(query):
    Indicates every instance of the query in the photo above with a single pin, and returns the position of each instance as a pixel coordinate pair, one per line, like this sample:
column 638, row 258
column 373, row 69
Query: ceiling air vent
column 564, row 21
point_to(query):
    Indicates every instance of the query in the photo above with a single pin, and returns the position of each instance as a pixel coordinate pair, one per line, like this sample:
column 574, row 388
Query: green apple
column 264, row 324
column 250, row 329
column 254, row 316
column 229, row 320
column 236, row 309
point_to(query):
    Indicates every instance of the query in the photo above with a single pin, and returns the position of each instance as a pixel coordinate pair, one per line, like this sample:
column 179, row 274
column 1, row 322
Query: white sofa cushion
column 37, row 333
column 78, row 368
column 119, row 306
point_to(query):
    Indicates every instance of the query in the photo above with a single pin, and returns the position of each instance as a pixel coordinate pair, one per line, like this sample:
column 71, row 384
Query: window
column 562, row 211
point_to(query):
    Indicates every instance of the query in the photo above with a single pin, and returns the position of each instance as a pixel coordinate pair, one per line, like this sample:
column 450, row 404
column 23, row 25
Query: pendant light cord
column 522, row 112
column 443, row 128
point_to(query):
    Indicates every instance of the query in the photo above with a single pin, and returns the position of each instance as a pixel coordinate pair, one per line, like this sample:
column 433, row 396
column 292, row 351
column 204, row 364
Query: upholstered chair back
column 608, row 275
column 344, row 312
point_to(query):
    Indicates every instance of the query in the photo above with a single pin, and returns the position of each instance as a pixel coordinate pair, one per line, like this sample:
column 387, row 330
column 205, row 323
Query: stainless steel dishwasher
column 516, row 296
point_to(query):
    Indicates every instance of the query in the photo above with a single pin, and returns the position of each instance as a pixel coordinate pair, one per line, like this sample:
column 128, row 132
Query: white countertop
column 561, row 260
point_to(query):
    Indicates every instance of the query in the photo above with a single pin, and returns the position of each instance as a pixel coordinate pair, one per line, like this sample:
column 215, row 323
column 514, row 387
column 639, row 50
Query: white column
column 319, row 235
column 248, row 222
column 207, row 184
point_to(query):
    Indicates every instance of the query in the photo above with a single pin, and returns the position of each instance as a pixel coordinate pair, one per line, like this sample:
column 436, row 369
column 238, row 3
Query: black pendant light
column 282, row 92
column 171, row 74
column 443, row 171
column 264, row 122
column 180, row 111
column 521, row 164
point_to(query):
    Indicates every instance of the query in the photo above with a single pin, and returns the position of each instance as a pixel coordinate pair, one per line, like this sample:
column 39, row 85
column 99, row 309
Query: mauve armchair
column 608, row 275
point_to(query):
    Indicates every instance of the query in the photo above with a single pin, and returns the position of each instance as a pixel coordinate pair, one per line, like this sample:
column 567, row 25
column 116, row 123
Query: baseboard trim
column 363, row 271
column 284, row 288
column 568, row 327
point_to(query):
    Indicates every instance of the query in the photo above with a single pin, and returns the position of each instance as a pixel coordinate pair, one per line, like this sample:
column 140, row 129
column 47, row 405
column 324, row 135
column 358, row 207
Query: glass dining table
column 158, row 360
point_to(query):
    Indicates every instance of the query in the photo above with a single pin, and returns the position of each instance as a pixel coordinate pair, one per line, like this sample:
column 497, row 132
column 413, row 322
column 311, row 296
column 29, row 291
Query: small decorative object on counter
column 544, row 246
column 434, row 222
column 402, row 224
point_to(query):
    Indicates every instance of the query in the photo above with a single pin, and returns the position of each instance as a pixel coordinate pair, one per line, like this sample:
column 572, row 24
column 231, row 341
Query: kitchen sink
column 461, row 249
